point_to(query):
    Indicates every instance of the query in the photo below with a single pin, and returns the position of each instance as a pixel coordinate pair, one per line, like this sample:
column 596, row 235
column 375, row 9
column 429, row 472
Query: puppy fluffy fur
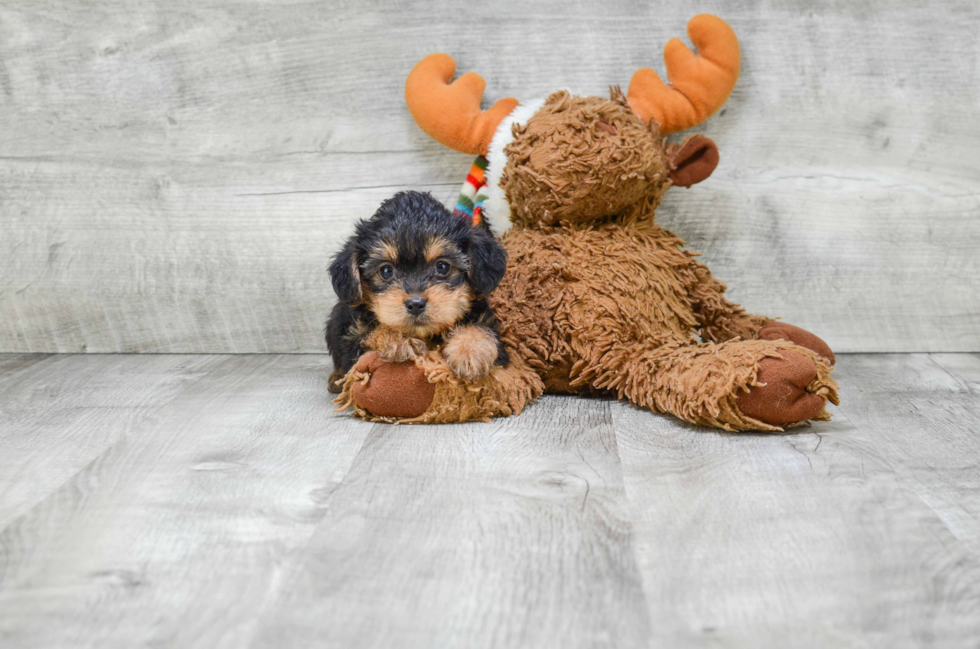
column 415, row 275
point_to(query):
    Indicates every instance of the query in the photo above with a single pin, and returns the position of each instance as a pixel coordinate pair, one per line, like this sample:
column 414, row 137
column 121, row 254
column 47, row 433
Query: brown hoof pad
column 393, row 389
column 784, row 398
column 775, row 330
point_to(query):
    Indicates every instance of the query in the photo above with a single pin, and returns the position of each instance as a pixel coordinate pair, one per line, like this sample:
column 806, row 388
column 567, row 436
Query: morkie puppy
column 412, row 275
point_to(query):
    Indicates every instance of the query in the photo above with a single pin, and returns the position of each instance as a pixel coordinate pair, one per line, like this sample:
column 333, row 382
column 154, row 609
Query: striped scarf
column 473, row 193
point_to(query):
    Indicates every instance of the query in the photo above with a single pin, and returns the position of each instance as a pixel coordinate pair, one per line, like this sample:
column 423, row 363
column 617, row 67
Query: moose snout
column 415, row 305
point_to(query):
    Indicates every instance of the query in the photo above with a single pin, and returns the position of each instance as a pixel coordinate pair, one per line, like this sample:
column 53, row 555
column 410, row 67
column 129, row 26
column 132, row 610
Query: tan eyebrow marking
column 389, row 251
column 436, row 248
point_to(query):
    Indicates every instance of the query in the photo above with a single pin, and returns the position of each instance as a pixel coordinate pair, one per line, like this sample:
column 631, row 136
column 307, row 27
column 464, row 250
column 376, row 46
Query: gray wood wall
column 174, row 175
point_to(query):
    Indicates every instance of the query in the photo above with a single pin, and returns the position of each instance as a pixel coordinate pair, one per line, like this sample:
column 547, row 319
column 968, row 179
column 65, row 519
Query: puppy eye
column 443, row 268
column 386, row 272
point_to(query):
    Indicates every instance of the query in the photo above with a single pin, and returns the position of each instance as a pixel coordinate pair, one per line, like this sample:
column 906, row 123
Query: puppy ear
column 345, row 274
column 488, row 260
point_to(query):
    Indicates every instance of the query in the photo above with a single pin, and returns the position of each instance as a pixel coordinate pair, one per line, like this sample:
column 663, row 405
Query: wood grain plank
column 513, row 534
column 12, row 365
column 174, row 176
column 178, row 534
column 59, row 413
column 807, row 539
column 239, row 511
column 924, row 411
column 174, row 280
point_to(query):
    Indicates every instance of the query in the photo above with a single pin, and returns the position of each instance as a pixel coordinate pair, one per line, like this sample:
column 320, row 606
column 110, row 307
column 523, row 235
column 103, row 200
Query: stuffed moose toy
column 597, row 298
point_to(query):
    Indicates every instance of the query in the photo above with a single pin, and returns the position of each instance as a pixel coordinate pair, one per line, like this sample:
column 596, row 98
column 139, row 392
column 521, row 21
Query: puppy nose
column 415, row 305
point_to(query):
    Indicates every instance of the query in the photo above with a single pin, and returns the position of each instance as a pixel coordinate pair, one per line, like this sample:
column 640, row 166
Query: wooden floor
column 217, row 501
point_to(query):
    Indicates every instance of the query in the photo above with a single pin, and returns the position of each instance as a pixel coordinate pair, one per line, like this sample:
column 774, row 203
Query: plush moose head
column 571, row 159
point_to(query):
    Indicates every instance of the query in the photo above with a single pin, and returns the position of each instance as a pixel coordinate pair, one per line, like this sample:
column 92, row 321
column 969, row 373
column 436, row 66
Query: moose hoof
column 784, row 398
column 393, row 389
column 775, row 330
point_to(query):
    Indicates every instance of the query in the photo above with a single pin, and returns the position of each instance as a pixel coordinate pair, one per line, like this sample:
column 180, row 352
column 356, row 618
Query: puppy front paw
column 393, row 347
column 401, row 349
column 470, row 352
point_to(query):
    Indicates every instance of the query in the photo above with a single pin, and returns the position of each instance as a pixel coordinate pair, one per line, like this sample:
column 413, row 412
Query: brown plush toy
column 597, row 297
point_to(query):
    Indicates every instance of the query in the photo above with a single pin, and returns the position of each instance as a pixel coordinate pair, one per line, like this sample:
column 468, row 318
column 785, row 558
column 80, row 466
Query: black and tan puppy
column 412, row 275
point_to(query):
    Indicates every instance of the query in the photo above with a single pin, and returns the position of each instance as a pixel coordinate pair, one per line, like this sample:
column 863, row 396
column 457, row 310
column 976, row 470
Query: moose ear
column 488, row 260
column 693, row 161
column 345, row 275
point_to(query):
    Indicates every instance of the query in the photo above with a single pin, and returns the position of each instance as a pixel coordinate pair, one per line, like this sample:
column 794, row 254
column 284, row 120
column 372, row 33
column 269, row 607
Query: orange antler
column 698, row 83
column 450, row 112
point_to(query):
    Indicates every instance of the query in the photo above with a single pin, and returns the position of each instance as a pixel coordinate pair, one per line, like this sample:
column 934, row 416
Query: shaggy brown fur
column 580, row 159
column 614, row 303
column 617, row 307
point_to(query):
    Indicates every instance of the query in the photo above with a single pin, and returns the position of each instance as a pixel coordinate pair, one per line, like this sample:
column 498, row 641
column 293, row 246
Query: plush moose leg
column 736, row 385
column 614, row 308
column 775, row 330
column 426, row 391
column 722, row 320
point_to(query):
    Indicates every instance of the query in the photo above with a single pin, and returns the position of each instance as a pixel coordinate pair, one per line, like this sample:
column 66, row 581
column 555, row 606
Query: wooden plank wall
column 174, row 175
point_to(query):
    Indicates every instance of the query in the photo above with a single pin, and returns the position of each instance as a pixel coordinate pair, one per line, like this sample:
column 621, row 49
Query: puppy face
column 420, row 287
column 416, row 266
